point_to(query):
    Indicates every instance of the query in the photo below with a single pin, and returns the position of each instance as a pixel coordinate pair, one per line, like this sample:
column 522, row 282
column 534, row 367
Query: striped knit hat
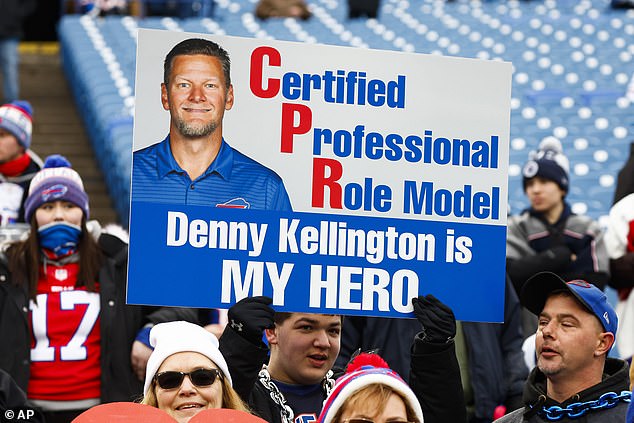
column 365, row 370
column 17, row 118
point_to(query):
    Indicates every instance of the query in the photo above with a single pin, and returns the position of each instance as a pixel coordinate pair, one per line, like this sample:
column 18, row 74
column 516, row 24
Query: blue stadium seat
column 573, row 61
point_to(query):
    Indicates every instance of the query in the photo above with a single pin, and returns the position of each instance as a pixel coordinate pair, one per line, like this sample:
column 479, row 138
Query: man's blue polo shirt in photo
column 233, row 180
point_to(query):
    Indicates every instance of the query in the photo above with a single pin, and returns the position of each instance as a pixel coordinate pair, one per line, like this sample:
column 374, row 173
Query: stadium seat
column 573, row 61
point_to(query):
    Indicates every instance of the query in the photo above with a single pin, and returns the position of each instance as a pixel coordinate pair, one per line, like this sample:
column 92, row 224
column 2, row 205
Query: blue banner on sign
column 317, row 263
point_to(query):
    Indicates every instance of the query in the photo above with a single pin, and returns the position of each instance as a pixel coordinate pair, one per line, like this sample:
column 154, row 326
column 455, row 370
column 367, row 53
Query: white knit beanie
column 174, row 337
column 366, row 369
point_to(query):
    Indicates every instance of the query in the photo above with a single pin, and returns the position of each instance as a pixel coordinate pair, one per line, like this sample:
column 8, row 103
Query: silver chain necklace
column 286, row 412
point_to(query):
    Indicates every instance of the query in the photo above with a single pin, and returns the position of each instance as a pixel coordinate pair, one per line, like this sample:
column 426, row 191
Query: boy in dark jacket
column 548, row 236
column 298, row 377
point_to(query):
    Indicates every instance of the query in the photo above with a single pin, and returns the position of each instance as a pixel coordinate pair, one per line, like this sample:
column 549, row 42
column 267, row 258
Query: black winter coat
column 615, row 379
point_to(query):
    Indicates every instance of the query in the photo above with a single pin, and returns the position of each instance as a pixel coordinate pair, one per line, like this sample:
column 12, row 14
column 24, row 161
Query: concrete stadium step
column 57, row 127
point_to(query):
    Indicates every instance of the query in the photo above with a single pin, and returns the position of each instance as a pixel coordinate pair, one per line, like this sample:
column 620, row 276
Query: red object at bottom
column 499, row 411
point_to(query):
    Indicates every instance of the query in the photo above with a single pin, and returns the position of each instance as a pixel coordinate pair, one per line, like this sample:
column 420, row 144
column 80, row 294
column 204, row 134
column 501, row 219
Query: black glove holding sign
column 437, row 319
column 250, row 316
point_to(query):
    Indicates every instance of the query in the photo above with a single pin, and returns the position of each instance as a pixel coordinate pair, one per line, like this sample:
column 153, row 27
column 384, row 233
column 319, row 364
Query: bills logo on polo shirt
column 56, row 191
column 236, row 203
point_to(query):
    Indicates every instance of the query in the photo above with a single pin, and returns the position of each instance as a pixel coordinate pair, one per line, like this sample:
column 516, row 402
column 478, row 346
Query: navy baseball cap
column 540, row 286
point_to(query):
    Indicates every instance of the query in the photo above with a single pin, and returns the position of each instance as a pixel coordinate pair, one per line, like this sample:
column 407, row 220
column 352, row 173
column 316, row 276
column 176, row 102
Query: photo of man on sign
column 194, row 164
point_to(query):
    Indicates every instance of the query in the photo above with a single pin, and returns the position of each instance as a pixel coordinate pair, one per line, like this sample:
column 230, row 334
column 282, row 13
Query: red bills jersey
column 65, row 338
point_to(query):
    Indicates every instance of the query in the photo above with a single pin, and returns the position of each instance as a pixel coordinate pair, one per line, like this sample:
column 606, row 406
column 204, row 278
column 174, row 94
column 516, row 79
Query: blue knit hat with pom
column 56, row 182
column 549, row 163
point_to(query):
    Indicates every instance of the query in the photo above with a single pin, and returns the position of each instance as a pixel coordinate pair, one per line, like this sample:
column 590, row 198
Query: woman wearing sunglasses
column 186, row 372
column 371, row 392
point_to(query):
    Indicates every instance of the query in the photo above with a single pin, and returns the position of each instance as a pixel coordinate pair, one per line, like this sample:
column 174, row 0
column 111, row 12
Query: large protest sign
column 396, row 169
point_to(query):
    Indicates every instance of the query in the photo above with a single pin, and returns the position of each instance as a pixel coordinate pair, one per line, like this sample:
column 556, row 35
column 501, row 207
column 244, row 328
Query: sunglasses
column 199, row 377
column 360, row 420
